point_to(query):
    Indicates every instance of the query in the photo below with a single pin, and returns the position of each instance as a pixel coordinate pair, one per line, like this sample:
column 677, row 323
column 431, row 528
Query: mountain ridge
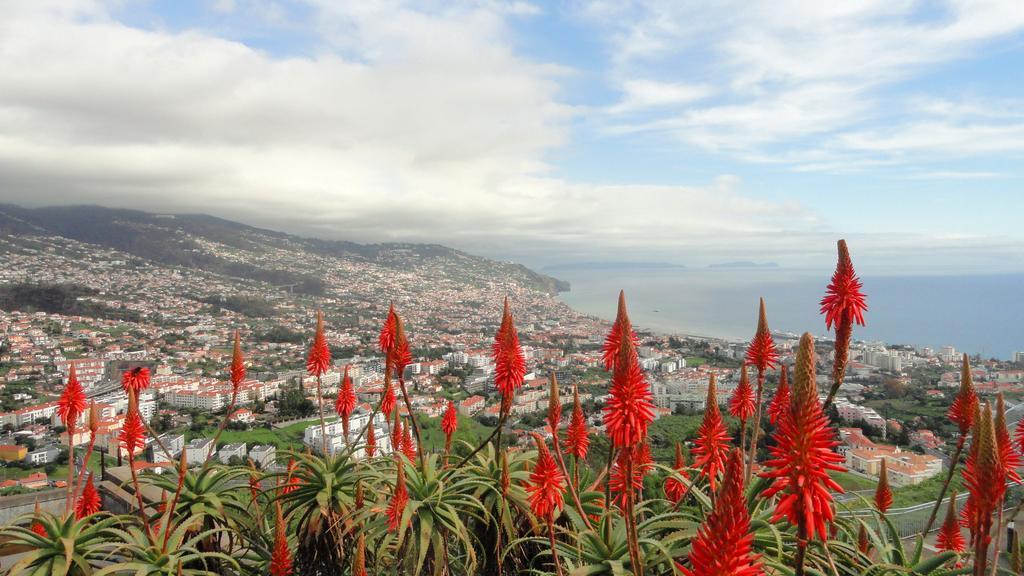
column 192, row 241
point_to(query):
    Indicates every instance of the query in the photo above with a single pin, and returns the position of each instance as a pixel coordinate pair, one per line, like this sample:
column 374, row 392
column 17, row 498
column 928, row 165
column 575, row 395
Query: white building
column 198, row 450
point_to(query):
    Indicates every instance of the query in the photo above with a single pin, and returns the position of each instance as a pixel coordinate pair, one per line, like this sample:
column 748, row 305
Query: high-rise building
column 1018, row 357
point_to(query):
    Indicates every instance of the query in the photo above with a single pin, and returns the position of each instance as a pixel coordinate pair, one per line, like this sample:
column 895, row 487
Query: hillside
column 168, row 273
column 229, row 248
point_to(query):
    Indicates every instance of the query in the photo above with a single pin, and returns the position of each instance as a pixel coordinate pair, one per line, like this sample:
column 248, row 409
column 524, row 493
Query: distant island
column 612, row 265
column 744, row 264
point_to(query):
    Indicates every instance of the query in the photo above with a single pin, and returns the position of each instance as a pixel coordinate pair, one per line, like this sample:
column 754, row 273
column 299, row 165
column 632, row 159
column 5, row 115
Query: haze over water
column 976, row 314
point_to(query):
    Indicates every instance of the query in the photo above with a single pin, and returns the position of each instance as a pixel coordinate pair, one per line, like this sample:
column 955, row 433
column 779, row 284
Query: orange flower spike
column 546, row 483
column 319, row 359
column 883, row 494
column 712, row 443
column 724, row 542
column 237, row 363
column 576, row 437
column 281, row 557
column 965, row 404
column 803, row 454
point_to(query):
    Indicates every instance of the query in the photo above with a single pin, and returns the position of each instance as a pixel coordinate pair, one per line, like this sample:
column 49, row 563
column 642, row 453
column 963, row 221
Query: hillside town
column 891, row 405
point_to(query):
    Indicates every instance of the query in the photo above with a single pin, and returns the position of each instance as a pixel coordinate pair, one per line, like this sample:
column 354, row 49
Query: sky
column 542, row 132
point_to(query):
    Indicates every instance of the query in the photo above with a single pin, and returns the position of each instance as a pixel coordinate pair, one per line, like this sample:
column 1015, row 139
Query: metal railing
column 911, row 520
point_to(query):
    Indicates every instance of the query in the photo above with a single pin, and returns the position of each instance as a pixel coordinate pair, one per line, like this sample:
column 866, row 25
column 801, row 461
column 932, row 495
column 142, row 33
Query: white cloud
column 408, row 125
column 799, row 75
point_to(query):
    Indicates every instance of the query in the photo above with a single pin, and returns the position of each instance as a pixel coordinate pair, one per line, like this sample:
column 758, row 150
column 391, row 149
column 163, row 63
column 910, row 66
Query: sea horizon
column 975, row 313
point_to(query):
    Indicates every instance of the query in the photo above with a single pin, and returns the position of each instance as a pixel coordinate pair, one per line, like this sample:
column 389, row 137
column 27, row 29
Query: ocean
column 981, row 314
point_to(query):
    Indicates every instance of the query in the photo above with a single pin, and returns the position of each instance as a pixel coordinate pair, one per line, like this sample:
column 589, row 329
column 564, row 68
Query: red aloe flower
column 554, row 404
column 281, row 557
column 387, row 332
column 780, row 401
column 863, row 544
column 984, row 478
column 346, row 401
column 88, row 502
column 949, row 537
column 359, row 559
column 371, row 441
column 629, row 410
column 741, row 403
column 71, row 404
column 621, row 325
column 509, row 362
column 803, row 454
column 620, row 484
column 401, row 355
column 396, row 434
column 133, row 432
column 387, row 399
column 965, row 405
column 399, row 498
column 319, row 359
column 724, row 543
column 408, row 448
column 37, row 526
column 449, row 423
column 291, row 483
column 237, row 363
column 712, row 443
column 546, row 484
column 1008, row 455
column 675, row 488
column 883, row 494
column 135, row 380
column 761, row 352
column 844, row 303
column 576, row 437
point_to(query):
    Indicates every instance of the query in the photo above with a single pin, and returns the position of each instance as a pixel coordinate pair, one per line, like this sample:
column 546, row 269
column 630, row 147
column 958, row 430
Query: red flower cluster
column 629, row 410
column 724, row 543
column 319, row 359
column 281, row 556
column 676, row 489
column 135, row 380
column 399, row 355
column 72, row 401
column 949, row 537
column 621, row 481
column 345, row 403
column 371, row 441
column 844, row 302
column 804, row 454
column 612, row 342
column 780, row 401
column 509, row 362
column 984, row 478
column 237, row 363
column 399, row 498
column 386, row 340
column 450, row 421
column 408, row 448
column 741, row 403
column 387, row 399
column 965, row 405
column 88, row 502
column 133, row 432
column 546, row 484
column 712, row 443
column 576, row 437
column 761, row 353
column 883, row 494
column 1009, row 457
